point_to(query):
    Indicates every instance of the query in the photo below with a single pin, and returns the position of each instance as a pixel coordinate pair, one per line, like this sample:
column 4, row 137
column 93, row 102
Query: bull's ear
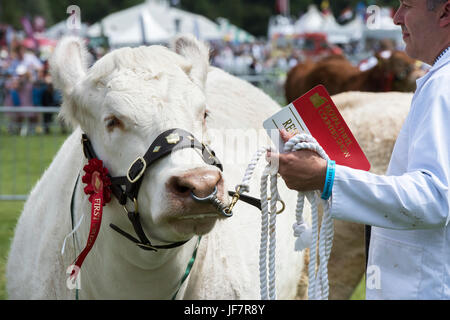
column 68, row 64
column 68, row 67
column 197, row 53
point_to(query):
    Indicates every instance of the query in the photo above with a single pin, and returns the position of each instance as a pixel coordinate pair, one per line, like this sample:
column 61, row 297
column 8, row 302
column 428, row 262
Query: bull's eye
column 113, row 122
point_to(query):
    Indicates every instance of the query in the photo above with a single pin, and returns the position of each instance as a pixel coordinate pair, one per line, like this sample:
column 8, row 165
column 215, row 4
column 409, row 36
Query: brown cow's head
column 401, row 70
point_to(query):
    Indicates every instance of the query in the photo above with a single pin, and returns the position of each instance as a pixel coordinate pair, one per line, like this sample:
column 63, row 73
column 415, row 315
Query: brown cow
column 396, row 73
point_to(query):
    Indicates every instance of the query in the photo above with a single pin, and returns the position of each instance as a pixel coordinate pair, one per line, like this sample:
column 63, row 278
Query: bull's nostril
column 181, row 189
column 200, row 182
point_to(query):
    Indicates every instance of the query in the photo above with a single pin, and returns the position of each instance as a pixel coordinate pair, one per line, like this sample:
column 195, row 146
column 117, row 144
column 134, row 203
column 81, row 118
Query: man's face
column 419, row 26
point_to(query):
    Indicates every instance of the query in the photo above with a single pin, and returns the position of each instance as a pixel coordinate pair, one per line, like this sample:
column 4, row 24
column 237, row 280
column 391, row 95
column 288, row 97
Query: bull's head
column 124, row 102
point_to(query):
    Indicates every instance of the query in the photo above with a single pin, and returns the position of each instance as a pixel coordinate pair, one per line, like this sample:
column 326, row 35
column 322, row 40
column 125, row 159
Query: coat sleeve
column 417, row 199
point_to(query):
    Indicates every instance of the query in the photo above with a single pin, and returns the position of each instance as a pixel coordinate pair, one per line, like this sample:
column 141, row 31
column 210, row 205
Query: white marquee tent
column 60, row 29
column 383, row 27
column 153, row 22
column 132, row 26
column 356, row 30
column 311, row 21
column 280, row 25
column 314, row 21
column 175, row 21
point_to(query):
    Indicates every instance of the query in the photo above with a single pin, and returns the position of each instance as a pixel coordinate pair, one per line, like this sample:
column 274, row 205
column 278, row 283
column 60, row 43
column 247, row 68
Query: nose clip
column 212, row 198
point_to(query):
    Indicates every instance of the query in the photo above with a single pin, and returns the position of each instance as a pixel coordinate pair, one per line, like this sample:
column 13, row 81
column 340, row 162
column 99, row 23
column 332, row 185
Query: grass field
column 9, row 213
column 22, row 162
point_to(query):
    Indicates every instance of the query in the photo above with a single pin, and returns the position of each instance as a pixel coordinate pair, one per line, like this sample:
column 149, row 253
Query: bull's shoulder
column 230, row 98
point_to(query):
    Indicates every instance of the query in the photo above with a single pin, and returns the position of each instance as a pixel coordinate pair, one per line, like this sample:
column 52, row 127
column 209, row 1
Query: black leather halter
column 171, row 140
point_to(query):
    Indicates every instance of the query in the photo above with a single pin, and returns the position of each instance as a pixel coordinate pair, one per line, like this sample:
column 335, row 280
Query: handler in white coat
column 409, row 208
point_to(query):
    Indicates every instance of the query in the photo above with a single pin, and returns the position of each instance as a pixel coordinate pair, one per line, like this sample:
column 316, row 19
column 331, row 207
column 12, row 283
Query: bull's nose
column 201, row 182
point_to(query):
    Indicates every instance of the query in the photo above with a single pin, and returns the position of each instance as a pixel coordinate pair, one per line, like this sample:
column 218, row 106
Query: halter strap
column 169, row 141
column 164, row 144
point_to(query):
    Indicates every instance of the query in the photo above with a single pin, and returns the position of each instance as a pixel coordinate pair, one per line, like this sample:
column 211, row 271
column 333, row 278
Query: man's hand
column 302, row 170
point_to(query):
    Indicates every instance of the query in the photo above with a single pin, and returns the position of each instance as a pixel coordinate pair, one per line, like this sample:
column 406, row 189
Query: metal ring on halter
column 283, row 205
column 135, row 207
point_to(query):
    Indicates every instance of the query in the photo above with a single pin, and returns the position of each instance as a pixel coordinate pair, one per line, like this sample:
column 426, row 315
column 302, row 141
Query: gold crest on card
column 317, row 100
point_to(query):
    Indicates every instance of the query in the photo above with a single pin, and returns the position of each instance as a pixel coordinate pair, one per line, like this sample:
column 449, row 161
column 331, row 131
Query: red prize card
column 318, row 113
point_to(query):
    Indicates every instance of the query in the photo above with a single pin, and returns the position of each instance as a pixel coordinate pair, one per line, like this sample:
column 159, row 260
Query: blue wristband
column 329, row 180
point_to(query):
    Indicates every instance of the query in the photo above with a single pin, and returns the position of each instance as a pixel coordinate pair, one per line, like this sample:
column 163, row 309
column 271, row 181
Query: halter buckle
column 141, row 172
column 234, row 200
column 136, row 207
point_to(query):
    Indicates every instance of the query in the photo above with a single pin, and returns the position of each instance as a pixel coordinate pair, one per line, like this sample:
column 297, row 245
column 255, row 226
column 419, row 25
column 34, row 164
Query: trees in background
column 251, row 15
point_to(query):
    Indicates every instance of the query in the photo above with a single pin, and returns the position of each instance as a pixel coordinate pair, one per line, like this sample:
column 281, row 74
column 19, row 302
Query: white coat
column 409, row 256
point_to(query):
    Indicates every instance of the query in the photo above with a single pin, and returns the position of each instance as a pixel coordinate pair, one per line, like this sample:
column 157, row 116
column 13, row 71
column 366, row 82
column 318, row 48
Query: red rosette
column 96, row 179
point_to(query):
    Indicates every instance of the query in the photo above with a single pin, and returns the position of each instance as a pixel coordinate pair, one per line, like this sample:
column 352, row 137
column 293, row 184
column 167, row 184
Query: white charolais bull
column 123, row 103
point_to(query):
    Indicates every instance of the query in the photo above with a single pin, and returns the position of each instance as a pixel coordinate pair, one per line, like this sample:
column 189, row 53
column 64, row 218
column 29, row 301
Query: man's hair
column 432, row 4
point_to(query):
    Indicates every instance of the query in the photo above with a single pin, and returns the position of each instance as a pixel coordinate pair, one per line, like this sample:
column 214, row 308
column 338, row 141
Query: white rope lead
column 318, row 275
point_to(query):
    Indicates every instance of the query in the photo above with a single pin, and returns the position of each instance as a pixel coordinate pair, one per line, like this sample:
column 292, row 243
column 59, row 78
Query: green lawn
column 24, row 159
column 22, row 162
column 9, row 213
column 360, row 291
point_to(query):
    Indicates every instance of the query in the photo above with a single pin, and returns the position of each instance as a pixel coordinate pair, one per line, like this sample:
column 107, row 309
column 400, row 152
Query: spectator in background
column 21, row 96
column 49, row 100
column 38, row 88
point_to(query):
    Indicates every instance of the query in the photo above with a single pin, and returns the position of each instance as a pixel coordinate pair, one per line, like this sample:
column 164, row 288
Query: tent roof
column 315, row 21
column 311, row 21
column 280, row 25
column 168, row 17
column 60, row 29
column 130, row 26
column 161, row 22
column 384, row 28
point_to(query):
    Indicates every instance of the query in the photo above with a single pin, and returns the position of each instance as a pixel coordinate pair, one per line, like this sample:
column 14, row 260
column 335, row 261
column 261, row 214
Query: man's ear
column 444, row 16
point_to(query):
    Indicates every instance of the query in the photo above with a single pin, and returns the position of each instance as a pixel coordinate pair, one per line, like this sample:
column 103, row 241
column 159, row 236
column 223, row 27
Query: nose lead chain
column 212, row 198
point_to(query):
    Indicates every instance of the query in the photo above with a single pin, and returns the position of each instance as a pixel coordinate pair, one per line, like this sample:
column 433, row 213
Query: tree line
column 251, row 15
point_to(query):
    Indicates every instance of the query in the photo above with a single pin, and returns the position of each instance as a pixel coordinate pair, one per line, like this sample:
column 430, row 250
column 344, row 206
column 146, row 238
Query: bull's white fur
column 150, row 89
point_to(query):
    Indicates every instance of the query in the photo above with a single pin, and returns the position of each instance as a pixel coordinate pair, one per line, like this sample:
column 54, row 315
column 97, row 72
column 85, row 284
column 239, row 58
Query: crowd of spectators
column 251, row 58
column 25, row 82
